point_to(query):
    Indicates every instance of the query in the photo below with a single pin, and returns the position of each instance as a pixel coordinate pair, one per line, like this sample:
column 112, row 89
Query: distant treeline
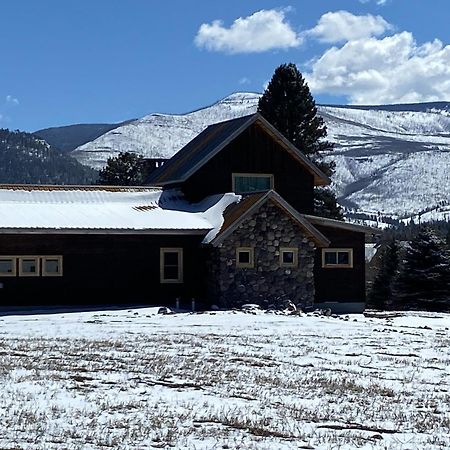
column 24, row 158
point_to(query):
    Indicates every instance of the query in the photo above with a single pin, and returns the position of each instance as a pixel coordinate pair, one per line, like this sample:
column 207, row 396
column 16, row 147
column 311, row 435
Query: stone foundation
column 269, row 229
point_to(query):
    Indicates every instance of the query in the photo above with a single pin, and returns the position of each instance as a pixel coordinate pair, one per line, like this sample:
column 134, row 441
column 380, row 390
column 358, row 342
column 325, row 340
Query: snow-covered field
column 137, row 380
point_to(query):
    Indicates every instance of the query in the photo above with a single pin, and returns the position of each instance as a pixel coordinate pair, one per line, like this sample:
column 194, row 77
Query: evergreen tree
column 288, row 105
column 24, row 158
column 123, row 170
column 424, row 278
column 381, row 296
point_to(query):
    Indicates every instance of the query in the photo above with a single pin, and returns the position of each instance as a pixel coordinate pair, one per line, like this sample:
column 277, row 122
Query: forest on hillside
column 24, row 158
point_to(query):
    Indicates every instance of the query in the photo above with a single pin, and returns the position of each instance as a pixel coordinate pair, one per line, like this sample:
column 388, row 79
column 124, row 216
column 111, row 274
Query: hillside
column 70, row 137
column 391, row 160
column 26, row 159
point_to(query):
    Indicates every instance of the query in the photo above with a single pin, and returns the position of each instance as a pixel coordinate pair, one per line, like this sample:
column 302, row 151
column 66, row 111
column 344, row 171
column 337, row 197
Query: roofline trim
column 333, row 223
column 109, row 231
column 317, row 236
column 74, row 187
column 320, row 175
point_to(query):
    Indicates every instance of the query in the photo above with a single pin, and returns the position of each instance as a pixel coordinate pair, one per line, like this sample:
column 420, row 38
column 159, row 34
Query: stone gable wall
column 267, row 283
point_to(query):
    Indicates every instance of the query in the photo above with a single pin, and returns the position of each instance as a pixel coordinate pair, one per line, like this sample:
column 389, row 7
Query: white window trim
column 14, row 266
column 337, row 266
column 29, row 274
column 253, row 175
column 289, row 249
column 251, row 263
column 177, row 250
column 52, row 274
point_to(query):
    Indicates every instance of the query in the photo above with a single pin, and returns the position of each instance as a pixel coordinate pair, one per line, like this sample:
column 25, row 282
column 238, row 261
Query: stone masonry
column 267, row 230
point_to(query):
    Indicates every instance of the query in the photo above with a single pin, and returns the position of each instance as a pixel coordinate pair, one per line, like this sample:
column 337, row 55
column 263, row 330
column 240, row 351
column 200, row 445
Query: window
column 244, row 183
column 245, row 258
column 288, row 257
column 7, row 266
column 29, row 266
column 337, row 258
column 51, row 266
column 171, row 265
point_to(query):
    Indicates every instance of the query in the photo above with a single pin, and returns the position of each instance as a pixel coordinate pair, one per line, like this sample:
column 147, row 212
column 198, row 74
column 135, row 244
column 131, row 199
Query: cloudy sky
column 77, row 61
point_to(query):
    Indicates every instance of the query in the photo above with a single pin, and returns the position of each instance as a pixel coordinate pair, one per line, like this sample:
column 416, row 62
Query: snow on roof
column 57, row 209
column 370, row 251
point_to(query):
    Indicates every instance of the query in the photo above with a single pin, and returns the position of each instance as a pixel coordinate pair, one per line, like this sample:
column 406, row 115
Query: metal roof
column 93, row 209
column 333, row 223
column 212, row 140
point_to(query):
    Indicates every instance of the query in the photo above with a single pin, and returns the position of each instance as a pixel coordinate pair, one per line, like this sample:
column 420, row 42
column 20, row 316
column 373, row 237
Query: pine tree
column 288, row 105
column 424, row 278
column 381, row 295
column 122, row 170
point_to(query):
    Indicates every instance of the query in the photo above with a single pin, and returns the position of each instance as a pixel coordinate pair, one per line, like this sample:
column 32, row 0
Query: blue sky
column 88, row 61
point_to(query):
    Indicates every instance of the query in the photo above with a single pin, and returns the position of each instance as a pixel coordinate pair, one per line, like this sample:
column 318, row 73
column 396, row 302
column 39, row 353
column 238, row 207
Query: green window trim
column 245, row 183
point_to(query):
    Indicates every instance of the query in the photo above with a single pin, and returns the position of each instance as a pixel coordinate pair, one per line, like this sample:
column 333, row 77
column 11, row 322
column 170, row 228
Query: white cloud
column 11, row 99
column 341, row 26
column 244, row 80
column 378, row 2
column 262, row 31
column 394, row 69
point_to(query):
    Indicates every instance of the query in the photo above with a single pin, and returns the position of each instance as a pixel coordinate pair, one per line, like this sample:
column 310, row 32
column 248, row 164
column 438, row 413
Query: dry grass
column 306, row 385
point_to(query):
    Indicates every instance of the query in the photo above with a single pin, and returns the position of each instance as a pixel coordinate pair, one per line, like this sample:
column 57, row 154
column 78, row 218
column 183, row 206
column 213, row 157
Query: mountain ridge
column 376, row 151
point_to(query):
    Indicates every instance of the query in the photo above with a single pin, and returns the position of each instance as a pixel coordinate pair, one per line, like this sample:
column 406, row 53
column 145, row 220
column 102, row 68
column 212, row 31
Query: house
column 227, row 220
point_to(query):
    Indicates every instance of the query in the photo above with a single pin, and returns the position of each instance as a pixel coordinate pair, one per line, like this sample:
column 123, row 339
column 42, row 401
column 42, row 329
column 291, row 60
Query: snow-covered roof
column 102, row 209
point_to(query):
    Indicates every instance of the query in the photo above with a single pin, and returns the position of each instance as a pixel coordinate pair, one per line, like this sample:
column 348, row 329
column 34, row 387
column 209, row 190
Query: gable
column 215, row 139
column 235, row 214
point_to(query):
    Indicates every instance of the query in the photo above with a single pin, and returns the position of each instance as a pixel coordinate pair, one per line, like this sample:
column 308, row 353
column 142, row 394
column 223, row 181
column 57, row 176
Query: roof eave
column 99, row 231
column 320, row 179
column 333, row 223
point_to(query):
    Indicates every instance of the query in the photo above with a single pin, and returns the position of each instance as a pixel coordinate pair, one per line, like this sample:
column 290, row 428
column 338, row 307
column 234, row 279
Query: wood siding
column 341, row 284
column 102, row 269
column 253, row 152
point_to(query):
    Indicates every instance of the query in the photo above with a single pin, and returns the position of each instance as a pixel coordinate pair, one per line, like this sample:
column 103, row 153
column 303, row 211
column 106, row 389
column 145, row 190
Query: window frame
column 179, row 252
column 252, row 175
column 14, row 266
column 337, row 265
column 293, row 250
column 29, row 274
column 251, row 263
column 44, row 273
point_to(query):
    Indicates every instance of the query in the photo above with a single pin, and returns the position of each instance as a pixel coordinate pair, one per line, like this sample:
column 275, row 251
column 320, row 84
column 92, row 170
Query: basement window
column 245, row 258
column 7, row 266
column 288, row 257
column 51, row 266
column 29, row 266
column 245, row 183
column 171, row 265
column 337, row 258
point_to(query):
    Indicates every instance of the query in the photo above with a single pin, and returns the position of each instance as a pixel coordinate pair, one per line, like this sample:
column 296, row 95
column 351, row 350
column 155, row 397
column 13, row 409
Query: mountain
column 391, row 160
column 26, row 159
column 161, row 135
column 70, row 137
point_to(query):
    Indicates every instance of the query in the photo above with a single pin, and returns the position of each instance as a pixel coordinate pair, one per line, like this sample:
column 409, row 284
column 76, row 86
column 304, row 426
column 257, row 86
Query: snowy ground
column 137, row 380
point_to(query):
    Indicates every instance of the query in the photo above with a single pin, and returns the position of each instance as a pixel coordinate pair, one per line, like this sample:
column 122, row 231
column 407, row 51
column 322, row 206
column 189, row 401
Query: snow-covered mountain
column 162, row 135
column 391, row 160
